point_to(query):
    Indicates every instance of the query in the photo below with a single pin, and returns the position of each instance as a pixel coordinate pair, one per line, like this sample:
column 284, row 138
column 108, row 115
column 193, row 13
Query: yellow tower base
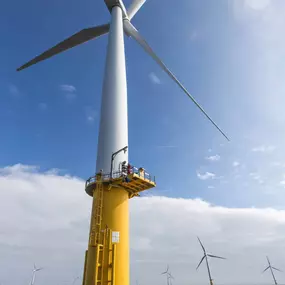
column 115, row 216
column 107, row 257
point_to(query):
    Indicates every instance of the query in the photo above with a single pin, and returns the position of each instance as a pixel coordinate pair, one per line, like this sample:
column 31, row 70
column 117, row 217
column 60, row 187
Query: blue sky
column 228, row 54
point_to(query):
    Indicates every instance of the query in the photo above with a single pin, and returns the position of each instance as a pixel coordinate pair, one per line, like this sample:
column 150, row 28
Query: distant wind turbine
column 35, row 270
column 168, row 275
column 206, row 255
column 271, row 269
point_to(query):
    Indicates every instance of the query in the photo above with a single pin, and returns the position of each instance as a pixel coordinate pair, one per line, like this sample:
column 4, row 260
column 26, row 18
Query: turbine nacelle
column 133, row 9
column 112, row 3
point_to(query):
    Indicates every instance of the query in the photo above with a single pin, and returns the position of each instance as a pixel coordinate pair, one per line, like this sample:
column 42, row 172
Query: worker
column 124, row 168
column 126, row 179
column 124, row 171
column 129, row 169
column 141, row 172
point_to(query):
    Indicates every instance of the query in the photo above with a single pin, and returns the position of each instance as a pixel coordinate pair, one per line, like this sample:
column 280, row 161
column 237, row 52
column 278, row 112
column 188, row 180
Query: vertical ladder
column 95, row 232
column 101, row 240
column 96, row 238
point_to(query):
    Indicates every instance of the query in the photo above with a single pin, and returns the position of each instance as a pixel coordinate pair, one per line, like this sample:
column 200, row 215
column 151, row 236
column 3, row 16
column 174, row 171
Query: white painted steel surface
column 134, row 8
column 113, row 132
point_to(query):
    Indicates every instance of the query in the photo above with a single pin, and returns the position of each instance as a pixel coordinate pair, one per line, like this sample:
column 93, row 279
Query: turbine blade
column 202, row 245
column 276, row 269
column 134, row 8
column 265, row 269
column 166, row 271
column 200, row 262
column 215, row 256
column 131, row 31
column 75, row 40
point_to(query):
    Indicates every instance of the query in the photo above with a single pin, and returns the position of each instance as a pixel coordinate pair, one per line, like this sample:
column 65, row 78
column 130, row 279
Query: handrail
column 134, row 170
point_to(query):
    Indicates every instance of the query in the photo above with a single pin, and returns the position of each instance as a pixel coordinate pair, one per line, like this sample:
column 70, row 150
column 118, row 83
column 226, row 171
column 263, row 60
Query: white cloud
column 213, row 157
column 44, row 218
column 257, row 177
column 68, row 88
column 167, row 146
column 154, row 79
column 69, row 91
column 91, row 114
column 277, row 164
column 211, row 187
column 207, row 175
column 264, row 148
column 236, row 163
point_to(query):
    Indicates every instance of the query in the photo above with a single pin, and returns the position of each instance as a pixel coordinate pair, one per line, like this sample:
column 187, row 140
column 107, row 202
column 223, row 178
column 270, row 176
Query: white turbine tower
column 113, row 133
column 35, row 270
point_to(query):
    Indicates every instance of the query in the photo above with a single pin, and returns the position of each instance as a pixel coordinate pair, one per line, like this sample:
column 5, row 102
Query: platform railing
column 133, row 170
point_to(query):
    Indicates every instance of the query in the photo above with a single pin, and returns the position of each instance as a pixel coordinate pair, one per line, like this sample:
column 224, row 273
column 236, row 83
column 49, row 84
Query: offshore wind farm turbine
column 206, row 255
column 110, row 208
column 168, row 275
column 35, row 270
column 271, row 269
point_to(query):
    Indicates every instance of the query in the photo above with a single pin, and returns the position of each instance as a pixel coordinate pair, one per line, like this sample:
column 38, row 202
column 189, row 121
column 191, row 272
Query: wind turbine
column 113, row 130
column 206, row 255
column 271, row 269
column 35, row 270
column 169, row 277
column 166, row 273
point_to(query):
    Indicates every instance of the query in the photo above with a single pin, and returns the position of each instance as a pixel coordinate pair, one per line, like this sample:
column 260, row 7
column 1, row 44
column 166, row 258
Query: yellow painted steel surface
column 115, row 216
